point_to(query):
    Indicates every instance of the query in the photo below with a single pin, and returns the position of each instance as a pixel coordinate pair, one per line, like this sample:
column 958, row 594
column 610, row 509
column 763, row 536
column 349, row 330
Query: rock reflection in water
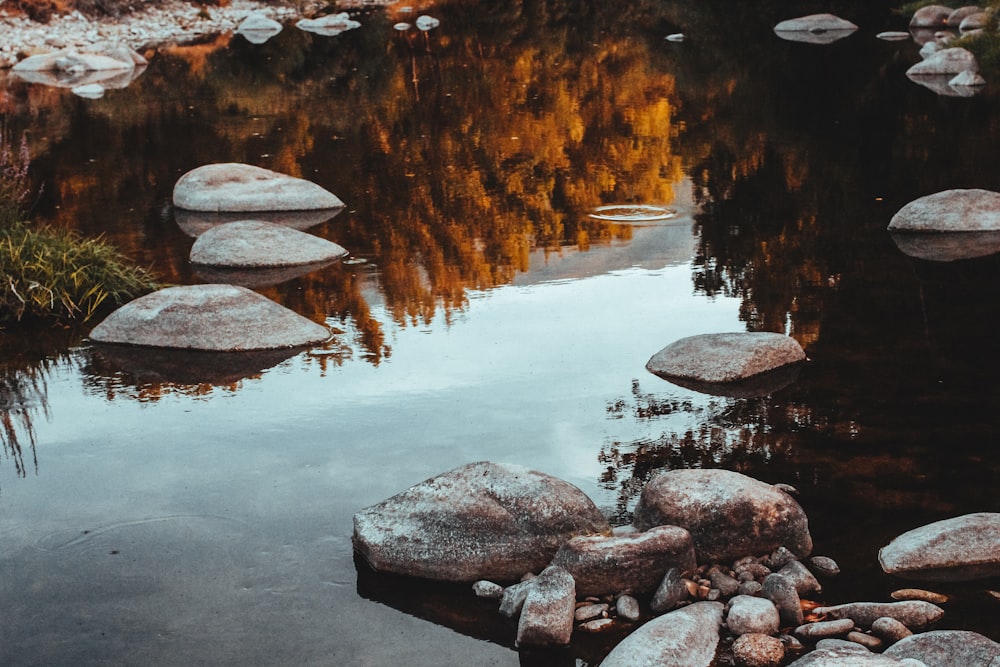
column 196, row 223
column 753, row 387
column 948, row 247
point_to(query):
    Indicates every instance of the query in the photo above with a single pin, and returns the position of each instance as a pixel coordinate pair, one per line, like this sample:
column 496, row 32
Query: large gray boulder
column 948, row 648
column 849, row 657
column 220, row 318
column 687, row 637
column 962, row 548
column 815, row 29
column 946, row 61
column 971, row 210
column 714, row 359
column 243, row 187
column 485, row 520
column 626, row 564
column 252, row 243
column 729, row 515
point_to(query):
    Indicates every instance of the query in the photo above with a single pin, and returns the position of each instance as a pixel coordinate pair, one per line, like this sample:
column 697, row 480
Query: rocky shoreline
column 170, row 22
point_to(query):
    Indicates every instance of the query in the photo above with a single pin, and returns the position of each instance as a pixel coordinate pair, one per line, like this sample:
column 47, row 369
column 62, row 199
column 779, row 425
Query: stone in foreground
column 242, row 187
column 725, row 357
column 729, row 515
column 963, row 548
column 687, row 637
column 548, row 610
column 252, row 244
column 220, row 318
column 846, row 656
column 626, row 564
column 948, row 647
column 484, row 520
column 971, row 210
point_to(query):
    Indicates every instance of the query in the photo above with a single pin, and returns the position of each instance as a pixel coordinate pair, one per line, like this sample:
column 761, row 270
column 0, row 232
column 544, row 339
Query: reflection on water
column 486, row 314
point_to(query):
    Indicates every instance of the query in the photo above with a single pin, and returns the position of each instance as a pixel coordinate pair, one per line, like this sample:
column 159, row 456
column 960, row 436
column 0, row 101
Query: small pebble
column 488, row 590
column 590, row 612
column 870, row 642
column 842, row 644
column 675, row 37
column 597, row 625
column 919, row 594
column 824, row 566
column 627, row 608
column 779, row 558
column 787, row 488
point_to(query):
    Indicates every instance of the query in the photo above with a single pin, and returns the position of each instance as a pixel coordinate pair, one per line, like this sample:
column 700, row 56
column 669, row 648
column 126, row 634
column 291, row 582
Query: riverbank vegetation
column 50, row 274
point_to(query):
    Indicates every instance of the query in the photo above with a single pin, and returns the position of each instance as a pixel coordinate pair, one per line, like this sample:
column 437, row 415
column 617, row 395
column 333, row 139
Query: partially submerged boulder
column 961, row 210
column 252, row 243
column 815, row 29
column 946, row 61
column 725, row 357
column 220, row 318
column 963, row 548
column 626, row 564
column 330, row 25
column 242, row 187
column 687, row 637
column 948, row 647
column 484, row 520
column 257, row 28
column 729, row 515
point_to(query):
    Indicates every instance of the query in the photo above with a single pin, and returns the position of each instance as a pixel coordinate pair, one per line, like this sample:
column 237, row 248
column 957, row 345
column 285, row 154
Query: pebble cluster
column 172, row 21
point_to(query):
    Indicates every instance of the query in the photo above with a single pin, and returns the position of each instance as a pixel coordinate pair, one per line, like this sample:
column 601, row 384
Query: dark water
column 164, row 510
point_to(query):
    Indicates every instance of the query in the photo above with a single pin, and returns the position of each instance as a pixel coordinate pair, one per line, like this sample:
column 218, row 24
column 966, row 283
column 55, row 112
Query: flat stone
column 483, row 520
column 253, row 244
column 914, row 614
column 728, row 514
column 627, row 564
column 963, row 548
column 948, row 647
column 243, row 187
column 815, row 23
column 687, row 637
column 824, row 629
column 222, row 318
column 547, row 615
column 725, row 357
column 962, row 210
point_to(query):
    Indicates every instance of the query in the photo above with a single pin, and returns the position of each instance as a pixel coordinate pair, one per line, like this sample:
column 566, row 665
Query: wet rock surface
column 960, row 210
column 725, row 357
column 687, row 637
column 221, row 318
column 729, row 515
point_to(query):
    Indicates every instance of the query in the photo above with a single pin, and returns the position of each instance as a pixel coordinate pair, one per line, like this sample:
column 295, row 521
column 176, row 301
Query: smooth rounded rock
column 687, row 637
column 815, row 23
column 752, row 615
column 931, row 16
column 782, row 593
column 962, row 210
column 914, row 614
column 222, row 318
column 483, row 520
column 627, row 608
column 251, row 244
column 946, row 61
column 890, row 630
column 824, row 566
column 962, row 548
column 243, row 187
column 728, row 514
column 824, row 629
column 947, row 648
column 725, row 357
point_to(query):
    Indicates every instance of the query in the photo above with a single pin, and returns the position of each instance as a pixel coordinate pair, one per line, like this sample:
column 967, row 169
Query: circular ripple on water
column 632, row 213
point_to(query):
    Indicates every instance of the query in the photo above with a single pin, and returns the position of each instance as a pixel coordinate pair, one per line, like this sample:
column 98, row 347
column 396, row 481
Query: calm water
column 169, row 511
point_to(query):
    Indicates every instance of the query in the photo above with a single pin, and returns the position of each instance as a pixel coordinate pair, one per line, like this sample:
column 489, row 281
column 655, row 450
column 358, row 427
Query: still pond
column 181, row 513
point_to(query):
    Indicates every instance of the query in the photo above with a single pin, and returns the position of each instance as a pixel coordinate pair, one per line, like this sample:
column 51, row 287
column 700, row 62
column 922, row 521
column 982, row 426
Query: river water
column 157, row 509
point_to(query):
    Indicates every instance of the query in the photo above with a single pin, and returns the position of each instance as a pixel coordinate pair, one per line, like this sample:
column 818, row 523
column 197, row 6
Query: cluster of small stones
column 170, row 22
column 769, row 616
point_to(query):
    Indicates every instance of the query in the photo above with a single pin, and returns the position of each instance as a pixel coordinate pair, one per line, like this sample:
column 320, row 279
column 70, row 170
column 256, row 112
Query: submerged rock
column 251, row 243
column 961, row 210
column 725, row 357
column 729, row 515
column 484, row 520
column 945, row 648
column 687, row 637
column 221, row 318
column 963, row 548
column 243, row 187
